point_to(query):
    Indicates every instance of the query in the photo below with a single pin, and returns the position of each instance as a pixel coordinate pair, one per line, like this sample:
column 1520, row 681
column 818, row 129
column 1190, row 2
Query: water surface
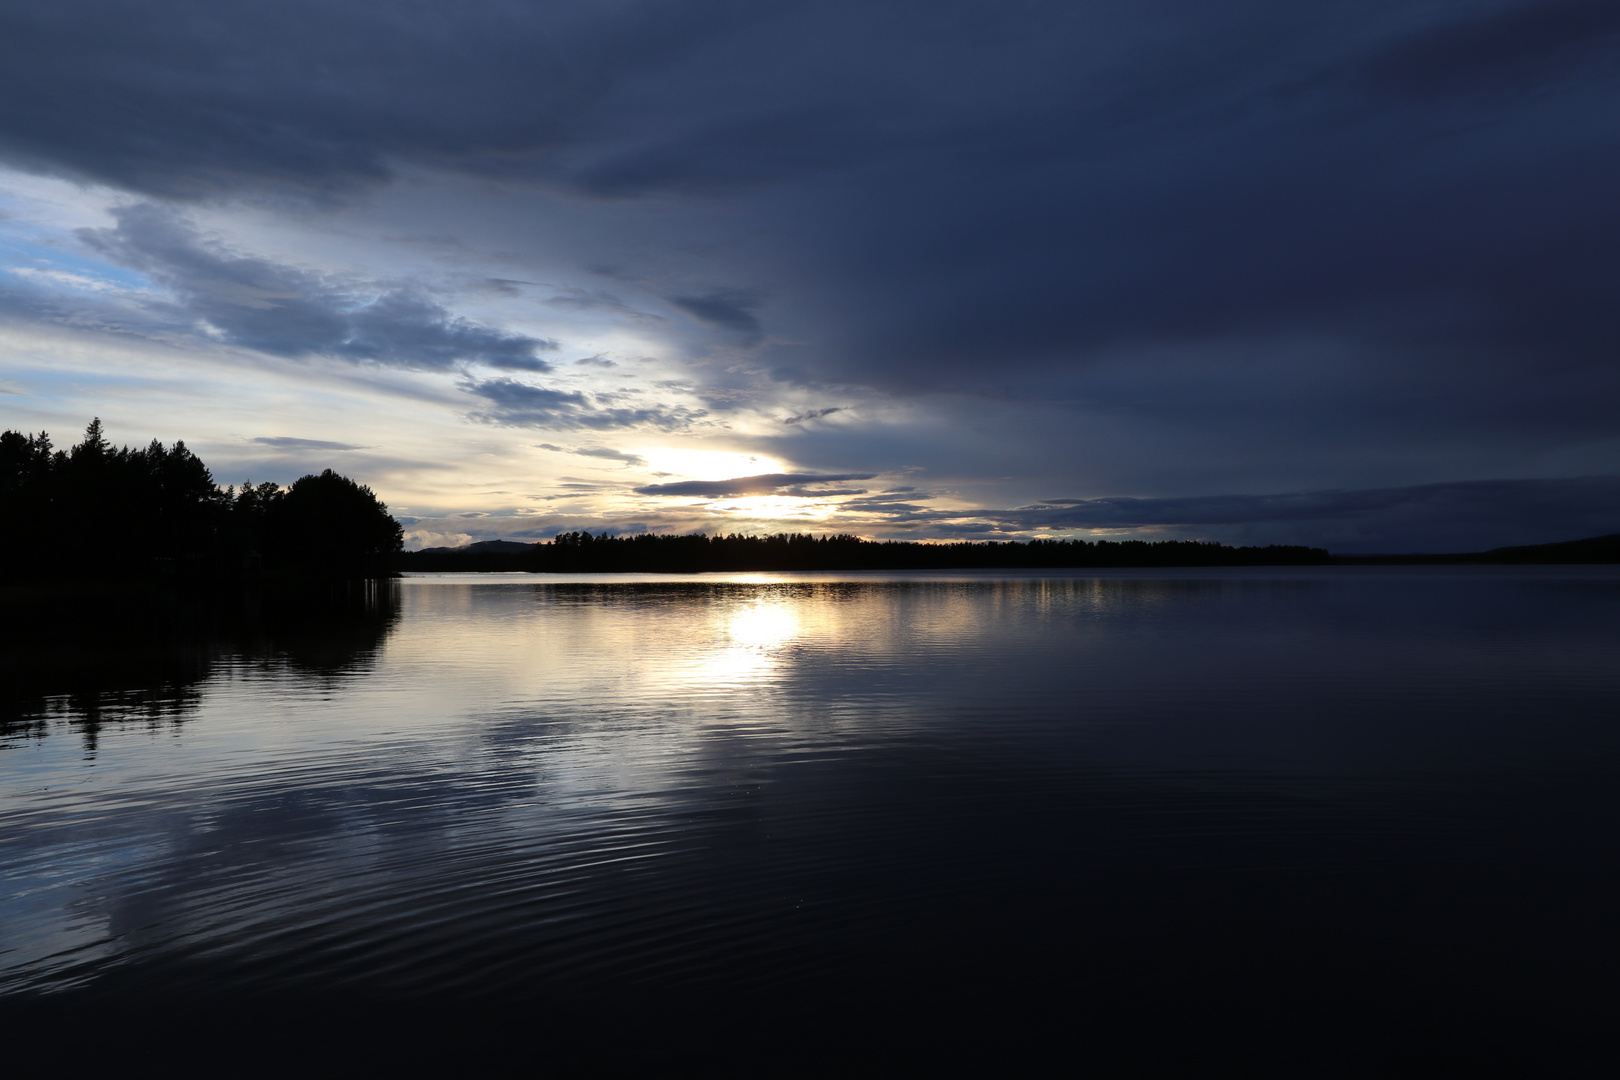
column 1353, row 816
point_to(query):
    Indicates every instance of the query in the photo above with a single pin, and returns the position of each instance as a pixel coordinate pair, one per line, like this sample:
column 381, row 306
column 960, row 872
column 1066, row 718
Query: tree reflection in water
column 87, row 657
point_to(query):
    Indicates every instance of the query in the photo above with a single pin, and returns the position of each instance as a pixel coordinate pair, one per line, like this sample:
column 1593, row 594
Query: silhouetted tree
column 247, row 523
column 102, row 510
column 25, row 495
column 330, row 525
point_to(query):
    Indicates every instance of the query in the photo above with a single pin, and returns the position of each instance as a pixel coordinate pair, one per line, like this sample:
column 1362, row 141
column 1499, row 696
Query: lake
column 1312, row 820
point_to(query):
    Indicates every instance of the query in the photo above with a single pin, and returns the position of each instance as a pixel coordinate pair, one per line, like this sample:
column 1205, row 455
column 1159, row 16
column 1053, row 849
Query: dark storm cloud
column 622, row 98
column 1000, row 201
column 287, row 311
column 1289, row 181
column 517, row 404
column 765, row 484
column 983, row 195
column 727, row 308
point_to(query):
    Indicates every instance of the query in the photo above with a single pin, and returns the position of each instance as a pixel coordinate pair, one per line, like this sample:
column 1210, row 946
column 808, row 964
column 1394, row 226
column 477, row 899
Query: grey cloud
column 283, row 442
column 518, row 404
column 510, row 394
column 765, row 484
column 616, row 99
column 1462, row 516
column 578, row 299
column 819, row 493
column 603, row 452
column 287, row 311
column 730, row 309
column 594, row 361
column 611, row 455
column 895, row 510
column 1547, row 496
column 890, row 499
column 519, row 363
column 814, row 414
column 506, row 286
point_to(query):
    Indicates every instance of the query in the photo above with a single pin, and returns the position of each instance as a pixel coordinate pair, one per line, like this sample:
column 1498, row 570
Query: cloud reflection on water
column 758, row 780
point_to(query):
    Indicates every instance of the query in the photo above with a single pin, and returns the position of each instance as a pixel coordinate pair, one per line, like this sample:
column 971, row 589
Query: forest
column 582, row 552
column 99, row 511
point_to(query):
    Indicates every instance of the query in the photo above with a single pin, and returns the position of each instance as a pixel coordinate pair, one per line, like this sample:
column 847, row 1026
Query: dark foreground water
column 1345, row 821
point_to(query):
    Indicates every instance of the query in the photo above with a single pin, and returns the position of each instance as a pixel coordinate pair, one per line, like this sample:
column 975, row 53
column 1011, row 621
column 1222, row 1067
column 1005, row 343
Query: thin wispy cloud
column 285, row 442
column 765, row 484
column 602, row 452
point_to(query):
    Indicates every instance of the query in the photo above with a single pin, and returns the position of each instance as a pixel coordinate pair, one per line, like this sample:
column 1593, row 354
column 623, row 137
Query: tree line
column 99, row 510
column 583, row 552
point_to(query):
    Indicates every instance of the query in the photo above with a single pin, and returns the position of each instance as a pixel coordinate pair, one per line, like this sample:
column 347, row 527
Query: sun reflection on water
column 764, row 625
column 749, row 645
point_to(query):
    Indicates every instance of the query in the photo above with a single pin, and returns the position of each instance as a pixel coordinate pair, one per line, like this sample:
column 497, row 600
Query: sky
column 1339, row 273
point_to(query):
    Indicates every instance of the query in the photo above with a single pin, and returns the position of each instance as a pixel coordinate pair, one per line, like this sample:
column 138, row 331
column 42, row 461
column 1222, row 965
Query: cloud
column 506, row 286
column 765, row 484
column 417, row 539
column 283, row 442
column 1469, row 516
column 1462, row 498
column 67, row 279
column 730, row 309
column 1198, row 248
column 518, row 363
column 802, row 492
column 1461, row 516
column 602, row 452
column 814, row 414
column 288, row 311
column 519, row 404
column 574, row 298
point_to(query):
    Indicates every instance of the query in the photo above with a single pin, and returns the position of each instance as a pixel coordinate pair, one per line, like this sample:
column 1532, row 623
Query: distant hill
column 1596, row 550
column 483, row 547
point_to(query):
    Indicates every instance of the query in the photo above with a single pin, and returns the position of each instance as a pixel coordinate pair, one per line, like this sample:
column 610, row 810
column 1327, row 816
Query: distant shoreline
column 697, row 553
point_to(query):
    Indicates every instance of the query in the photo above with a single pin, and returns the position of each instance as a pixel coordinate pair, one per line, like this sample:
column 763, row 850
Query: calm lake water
column 1356, row 819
